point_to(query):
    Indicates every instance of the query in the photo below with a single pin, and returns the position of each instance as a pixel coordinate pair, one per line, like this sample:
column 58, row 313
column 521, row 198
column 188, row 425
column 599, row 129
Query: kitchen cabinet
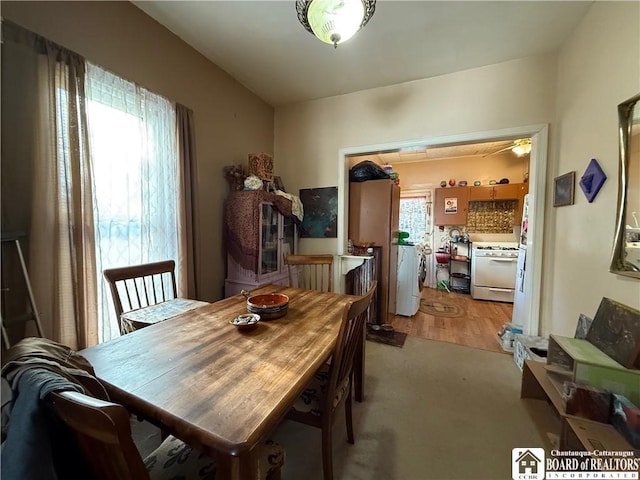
column 451, row 206
column 374, row 216
column 259, row 232
column 508, row 191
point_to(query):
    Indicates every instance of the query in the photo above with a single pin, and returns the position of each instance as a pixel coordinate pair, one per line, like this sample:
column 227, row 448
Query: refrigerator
column 519, row 315
column 374, row 216
column 408, row 291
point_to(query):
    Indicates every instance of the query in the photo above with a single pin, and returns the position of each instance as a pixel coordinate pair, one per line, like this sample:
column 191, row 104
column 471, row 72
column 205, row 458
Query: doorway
column 537, row 175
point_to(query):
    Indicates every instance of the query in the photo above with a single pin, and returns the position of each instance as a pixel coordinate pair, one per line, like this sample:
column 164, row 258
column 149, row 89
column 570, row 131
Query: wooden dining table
column 221, row 390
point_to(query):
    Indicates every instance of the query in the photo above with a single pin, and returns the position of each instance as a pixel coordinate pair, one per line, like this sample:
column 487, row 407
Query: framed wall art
column 320, row 212
column 563, row 188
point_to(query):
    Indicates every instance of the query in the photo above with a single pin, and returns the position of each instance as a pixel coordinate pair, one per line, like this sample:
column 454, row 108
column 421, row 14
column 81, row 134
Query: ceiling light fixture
column 522, row 147
column 334, row 21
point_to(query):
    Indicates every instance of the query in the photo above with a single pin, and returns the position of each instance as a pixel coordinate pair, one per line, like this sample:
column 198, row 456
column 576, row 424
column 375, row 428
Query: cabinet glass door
column 288, row 237
column 269, row 239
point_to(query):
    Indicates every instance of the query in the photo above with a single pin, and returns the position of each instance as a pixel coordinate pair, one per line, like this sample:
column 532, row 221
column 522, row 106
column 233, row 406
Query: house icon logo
column 527, row 463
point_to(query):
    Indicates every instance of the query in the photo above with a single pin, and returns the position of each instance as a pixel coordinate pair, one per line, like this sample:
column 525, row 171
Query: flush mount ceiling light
column 522, row 147
column 334, row 21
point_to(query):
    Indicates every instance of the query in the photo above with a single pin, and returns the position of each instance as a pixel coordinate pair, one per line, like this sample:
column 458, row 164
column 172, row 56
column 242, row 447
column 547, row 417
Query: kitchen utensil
column 442, row 257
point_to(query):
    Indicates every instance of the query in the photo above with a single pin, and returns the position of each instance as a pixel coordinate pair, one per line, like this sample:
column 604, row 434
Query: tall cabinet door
column 374, row 212
column 451, row 206
column 277, row 239
column 269, row 235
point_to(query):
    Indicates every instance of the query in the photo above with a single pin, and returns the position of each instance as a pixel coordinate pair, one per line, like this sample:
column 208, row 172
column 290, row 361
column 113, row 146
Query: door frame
column 539, row 134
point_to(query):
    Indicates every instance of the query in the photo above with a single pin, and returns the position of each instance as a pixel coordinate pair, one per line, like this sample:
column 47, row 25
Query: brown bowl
column 268, row 301
column 269, row 314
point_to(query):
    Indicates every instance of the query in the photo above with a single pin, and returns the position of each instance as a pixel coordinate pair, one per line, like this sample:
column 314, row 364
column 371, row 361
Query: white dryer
column 408, row 292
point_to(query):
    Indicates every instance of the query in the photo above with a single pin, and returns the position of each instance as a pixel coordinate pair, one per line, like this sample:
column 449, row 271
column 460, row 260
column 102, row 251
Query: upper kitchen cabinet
column 509, row 191
column 451, row 206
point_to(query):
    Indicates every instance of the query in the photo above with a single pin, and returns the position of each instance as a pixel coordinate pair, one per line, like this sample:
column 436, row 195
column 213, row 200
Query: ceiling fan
column 520, row 147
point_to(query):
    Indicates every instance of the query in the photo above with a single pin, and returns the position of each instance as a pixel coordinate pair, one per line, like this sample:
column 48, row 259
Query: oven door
column 497, row 272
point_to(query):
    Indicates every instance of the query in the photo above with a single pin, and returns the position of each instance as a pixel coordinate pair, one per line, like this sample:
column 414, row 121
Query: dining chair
column 311, row 272
column 102, row 432
column 332, row 383
column 139, row 286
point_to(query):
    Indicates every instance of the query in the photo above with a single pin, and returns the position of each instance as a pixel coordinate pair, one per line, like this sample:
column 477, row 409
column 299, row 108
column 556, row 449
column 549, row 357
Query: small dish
column 245, row 322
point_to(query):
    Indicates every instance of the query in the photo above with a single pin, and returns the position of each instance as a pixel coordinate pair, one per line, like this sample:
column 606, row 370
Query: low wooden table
column 220, row 390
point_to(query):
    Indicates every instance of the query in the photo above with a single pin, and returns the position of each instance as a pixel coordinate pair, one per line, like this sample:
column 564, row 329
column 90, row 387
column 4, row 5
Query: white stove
column 493, row 270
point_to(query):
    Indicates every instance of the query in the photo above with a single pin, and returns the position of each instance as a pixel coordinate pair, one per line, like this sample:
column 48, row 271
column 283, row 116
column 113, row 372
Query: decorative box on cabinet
column 259, row 231
column 451, row 206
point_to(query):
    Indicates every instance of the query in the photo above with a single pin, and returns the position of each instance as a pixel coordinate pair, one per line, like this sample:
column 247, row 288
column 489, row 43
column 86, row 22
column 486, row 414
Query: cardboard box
column 588, row 402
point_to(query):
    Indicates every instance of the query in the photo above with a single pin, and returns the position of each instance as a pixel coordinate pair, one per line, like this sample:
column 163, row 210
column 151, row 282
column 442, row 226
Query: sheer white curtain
column 416, row 217
column 132, row 136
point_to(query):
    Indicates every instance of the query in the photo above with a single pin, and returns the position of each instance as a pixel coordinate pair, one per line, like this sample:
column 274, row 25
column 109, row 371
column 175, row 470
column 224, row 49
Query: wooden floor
column 476, row 325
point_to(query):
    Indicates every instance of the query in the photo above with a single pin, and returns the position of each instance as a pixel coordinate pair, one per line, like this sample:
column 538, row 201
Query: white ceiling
column 426, row 154
column 263, row 46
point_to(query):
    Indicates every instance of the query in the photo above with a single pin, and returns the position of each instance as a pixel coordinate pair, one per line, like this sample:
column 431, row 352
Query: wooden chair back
column 350, row 335
column 103, row 434
column 139, row 286
column 311, row 272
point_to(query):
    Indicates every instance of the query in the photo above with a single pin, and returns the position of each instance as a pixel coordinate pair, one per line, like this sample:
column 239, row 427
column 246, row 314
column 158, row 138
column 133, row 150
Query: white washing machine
column 408, row 292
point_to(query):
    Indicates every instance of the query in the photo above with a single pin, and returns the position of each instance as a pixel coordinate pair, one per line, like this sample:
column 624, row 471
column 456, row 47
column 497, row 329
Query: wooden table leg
column 241, row 467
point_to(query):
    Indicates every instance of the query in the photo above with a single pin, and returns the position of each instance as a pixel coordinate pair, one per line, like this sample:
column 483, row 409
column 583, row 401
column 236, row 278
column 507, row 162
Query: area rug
column 438, row 308
column 395, row 339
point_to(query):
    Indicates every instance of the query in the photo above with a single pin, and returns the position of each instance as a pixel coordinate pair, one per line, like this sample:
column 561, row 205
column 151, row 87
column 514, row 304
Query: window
column 132, row 143
column 414, row 217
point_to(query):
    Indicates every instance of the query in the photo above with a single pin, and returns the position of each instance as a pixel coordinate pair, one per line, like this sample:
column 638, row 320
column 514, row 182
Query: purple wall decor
column 592, row 180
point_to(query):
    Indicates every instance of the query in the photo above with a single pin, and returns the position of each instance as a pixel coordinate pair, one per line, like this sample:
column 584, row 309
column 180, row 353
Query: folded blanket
column 27, row 452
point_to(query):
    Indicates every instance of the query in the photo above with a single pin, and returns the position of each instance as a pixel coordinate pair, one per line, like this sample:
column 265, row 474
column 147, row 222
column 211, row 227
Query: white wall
column 598, row 68
column 309, row 135
column 230, row 121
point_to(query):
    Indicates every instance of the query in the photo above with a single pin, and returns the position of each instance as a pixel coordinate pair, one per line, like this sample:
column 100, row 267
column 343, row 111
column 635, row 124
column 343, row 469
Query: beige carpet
column 432, row 410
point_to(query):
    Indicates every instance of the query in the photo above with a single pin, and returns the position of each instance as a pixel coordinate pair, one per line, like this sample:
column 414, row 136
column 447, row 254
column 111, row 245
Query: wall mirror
column 626, row 252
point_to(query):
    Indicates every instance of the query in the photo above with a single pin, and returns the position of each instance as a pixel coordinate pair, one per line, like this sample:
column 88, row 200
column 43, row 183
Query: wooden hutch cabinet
column 259, row 232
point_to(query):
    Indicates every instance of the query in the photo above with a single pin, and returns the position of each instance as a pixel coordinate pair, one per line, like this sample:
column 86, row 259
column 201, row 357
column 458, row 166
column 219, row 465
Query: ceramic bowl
column 245, row 322
column 268, row 301
column 442, row 257
column 269, row 313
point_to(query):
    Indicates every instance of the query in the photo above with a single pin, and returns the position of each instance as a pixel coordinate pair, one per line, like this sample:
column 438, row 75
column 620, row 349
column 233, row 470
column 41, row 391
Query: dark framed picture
column 563, row 187
column 320, row 212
